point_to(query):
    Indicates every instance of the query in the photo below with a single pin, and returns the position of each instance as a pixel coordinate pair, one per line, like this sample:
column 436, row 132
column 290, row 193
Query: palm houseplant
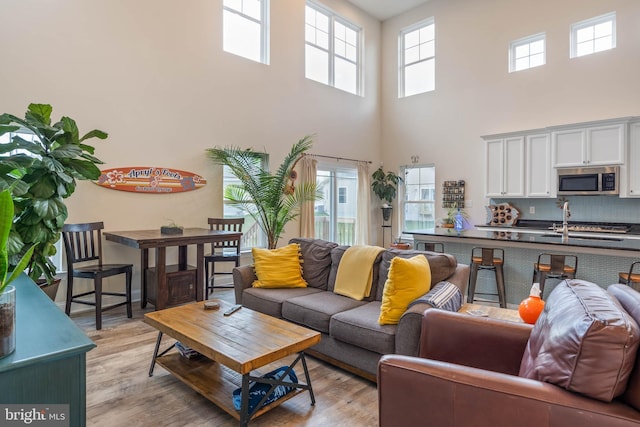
column 41, row 164
column 7, row 293
column 385, row 186
column 271, row 199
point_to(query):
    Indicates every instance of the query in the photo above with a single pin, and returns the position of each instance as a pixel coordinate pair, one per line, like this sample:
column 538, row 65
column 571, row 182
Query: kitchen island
column 600, row 256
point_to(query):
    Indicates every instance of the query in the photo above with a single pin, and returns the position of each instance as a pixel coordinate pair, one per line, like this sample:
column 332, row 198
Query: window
column 252, row 234
column 332, row 49
column 245, row 29
column 342, row 195
column 593, row 35
column 417, row 59
column 418, row 200
column 527, row 53
column 335, row 214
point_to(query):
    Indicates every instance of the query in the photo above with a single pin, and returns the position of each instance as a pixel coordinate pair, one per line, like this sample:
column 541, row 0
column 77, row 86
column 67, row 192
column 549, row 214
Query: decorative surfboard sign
column 149, row 179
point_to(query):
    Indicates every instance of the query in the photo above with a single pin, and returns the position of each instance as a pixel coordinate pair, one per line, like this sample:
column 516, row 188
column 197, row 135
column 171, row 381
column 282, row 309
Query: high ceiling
column 384, row 9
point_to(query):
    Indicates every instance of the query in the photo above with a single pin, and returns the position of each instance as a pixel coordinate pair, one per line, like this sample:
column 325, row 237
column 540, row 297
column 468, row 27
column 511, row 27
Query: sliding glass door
column 335, row 214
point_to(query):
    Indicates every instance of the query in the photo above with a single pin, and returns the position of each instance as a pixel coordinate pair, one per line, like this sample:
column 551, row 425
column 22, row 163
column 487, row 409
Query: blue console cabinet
column 49, row 363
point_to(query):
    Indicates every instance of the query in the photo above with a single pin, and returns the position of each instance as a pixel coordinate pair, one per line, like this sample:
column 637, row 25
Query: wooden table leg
column 144, row 265
column 200, row 282
column 182, row 257
column 162, row 291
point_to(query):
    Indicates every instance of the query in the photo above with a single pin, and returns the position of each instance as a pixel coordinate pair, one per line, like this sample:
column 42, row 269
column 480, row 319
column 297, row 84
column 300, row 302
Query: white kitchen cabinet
column 505, row 167
column 589, row 146
column 633, row 166
column 539, row 180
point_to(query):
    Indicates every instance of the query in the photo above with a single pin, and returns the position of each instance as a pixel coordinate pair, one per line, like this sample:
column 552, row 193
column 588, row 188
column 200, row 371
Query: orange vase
column 530, row 309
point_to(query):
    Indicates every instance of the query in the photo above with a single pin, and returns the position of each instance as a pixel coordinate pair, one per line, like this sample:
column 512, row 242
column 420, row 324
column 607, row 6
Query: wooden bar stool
column 430, row 246
column 487, row 259
column 631, row 277
column 83, row 245
column 224, row 251
column 554, row 266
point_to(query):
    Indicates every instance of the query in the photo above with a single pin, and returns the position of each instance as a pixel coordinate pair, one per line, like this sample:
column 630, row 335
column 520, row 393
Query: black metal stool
column 554, row 266
column 487, row 259
column 630, row 277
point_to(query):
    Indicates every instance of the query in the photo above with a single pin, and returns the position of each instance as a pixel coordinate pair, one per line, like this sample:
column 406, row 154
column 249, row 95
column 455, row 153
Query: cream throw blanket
column 355, row 272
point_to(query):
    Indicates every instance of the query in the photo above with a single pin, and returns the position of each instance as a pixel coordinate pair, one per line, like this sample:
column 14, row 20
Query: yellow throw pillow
column 278, row 268
column 408, row 279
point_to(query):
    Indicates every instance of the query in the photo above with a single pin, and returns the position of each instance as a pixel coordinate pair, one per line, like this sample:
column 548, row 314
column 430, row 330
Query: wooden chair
column 225, row 251
column 630, row 277
column 83, row 244
column 554, row 266
column 487, row 259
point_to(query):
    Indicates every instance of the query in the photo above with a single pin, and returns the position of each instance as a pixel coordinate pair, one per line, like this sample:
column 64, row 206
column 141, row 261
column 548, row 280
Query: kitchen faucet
column 566, row 213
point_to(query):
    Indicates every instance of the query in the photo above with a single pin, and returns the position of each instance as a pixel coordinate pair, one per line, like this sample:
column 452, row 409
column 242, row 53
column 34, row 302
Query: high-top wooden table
column 166, row 285
column 239, row 343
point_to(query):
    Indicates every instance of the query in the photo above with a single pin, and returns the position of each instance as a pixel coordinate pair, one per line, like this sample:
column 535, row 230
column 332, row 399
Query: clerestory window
column 246, row 29
column 593, row 35
column 417, row 59
column 527, row 53
column 332, row 49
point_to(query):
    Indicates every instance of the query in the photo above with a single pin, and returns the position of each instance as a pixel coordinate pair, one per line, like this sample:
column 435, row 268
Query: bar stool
column 487, row 259
column 631, row 277
column 430, row 246
column 554, row 266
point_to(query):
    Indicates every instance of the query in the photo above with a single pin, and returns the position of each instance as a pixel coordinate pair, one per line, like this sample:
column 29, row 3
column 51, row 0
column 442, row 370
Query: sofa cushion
column 336, row 256
column 278, row 268
column 408, row 279
column 315, row 311
column 629, row 299
column 359, row 326
column 316, row 261
column 269, row 301
column 583, row 341
column 442, row 266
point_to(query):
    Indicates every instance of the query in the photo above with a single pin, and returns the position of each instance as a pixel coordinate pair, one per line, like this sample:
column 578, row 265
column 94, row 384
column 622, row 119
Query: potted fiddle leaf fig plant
column 385, row 186
column 42, row 170
column 7, row 292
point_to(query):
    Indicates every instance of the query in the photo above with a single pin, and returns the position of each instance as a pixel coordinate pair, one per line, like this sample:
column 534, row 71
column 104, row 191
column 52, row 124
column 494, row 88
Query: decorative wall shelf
column 453, row 194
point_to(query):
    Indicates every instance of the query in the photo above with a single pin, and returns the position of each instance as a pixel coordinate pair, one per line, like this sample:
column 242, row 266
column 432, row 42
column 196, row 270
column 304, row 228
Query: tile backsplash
column 583, row 208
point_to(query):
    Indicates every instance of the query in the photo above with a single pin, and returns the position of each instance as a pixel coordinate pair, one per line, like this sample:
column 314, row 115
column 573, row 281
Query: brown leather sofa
column 467, row 374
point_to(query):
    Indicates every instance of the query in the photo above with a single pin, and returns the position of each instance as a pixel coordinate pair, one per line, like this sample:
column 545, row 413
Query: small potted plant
column 449, row 220
column 385, row 186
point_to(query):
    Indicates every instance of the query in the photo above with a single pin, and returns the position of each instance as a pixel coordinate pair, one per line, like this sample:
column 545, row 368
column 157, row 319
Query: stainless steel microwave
column 588, row 181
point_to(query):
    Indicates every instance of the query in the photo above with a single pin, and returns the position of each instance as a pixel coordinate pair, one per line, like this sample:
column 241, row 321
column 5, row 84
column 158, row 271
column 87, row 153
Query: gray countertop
column 540, row 237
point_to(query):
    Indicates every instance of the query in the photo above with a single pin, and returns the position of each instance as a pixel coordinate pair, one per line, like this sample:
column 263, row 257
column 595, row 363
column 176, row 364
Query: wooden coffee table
column 235, row 344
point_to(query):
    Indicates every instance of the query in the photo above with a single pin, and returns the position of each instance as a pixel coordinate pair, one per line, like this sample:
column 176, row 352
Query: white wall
column 153, row 75
column 475, row 95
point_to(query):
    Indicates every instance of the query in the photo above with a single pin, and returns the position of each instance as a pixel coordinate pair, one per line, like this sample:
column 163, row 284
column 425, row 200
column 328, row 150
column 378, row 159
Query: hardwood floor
column 120, row 392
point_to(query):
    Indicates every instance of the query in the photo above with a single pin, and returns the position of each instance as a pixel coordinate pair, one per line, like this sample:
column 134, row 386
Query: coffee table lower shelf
column 214, row 381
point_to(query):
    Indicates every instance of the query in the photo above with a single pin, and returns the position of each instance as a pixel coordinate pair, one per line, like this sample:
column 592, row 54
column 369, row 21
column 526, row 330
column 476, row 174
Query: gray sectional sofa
column 352, row 338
